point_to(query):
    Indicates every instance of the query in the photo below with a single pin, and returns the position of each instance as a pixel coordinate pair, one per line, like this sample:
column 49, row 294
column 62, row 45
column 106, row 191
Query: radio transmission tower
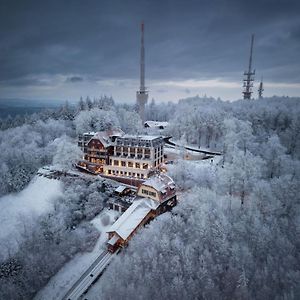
column 261, row 89
column 249, row 75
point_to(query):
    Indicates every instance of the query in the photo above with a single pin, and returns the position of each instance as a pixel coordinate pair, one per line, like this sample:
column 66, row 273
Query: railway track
column 96, row 269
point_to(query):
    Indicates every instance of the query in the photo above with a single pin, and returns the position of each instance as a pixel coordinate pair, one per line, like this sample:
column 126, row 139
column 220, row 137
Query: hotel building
column 135, row 156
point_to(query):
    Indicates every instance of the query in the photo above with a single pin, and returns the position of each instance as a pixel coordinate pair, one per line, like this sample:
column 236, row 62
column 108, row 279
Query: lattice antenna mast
column 261, row 89
column 142, row 94
column 249, row 75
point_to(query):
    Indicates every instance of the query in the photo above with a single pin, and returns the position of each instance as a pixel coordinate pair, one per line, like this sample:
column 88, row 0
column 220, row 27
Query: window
column 142, row 175
column 121, row 172
column 109, row 171
column 133, row 174
column 125, row 173
column 130, row 164
column 123, row 163
column 116, row 162
column 137, row 165
column 129, row 173
column 145, row 166
column 146, row 192
column 152, row 194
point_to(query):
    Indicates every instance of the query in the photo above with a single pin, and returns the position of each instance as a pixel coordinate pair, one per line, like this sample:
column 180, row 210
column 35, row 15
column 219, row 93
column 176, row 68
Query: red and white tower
column 142, row 93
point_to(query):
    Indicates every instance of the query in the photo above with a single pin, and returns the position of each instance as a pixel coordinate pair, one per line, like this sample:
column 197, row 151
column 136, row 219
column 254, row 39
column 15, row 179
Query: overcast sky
column 67, row 49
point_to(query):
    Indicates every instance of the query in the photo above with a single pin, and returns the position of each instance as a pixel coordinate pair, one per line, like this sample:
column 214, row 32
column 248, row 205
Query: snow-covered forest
column 234, row 234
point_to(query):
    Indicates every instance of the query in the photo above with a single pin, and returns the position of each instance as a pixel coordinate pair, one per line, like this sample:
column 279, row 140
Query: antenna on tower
column 249, row 74
column 142, row 94
column 261, row 89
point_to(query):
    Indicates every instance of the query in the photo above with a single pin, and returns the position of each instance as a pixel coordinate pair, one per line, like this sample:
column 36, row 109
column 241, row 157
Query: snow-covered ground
column 59, row 284
column 17, row 208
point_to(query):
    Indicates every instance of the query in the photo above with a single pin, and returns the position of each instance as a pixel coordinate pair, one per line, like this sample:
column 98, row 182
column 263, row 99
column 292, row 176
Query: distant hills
column 14, row 107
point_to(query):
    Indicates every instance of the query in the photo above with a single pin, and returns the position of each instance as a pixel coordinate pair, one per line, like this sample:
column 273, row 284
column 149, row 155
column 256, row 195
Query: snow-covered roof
column 113, row 240
column 156, row 123
column 160, row 182
column 132, row 217
column 121, row 188
column 142, row 137
column 89, row 133
column 104, row 136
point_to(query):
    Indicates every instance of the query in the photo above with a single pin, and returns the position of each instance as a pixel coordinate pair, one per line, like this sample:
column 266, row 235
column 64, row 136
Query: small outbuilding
column 122, row 190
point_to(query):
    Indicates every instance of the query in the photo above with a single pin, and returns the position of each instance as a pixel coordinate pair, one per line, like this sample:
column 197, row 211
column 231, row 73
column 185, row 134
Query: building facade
column 154, row 196
column 83, row 140
column 160, row 188
column 135, row 156
column 97, row 147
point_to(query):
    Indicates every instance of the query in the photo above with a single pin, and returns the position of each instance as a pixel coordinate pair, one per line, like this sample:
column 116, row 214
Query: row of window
column 157, row 156
column 97, row 161
column 130, row 164
column 132, row 150
column 139, row 156
column 149, row 193
column 133, row 143
column 125, row 173
column 96, row 153
column 158, row 161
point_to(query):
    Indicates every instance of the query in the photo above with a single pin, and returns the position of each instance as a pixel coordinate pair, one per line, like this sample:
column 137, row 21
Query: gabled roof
column 160, row 182
column 132, row 217
column 121, row 188
column 113, row 240
column 105, row 136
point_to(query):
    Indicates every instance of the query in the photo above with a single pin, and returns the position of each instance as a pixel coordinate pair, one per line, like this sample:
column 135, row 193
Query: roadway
column 168, row 142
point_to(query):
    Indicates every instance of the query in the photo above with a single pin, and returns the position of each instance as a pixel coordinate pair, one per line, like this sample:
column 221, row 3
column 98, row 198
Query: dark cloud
column 184, row 39
column 74, row 79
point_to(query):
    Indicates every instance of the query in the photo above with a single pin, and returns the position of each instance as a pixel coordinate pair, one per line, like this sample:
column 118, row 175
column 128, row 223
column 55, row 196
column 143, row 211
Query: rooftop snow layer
column 132, row 217
column 156, row 123
column 104, row 136
column 160, row 182
column 142, row 137
column 121, row 188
